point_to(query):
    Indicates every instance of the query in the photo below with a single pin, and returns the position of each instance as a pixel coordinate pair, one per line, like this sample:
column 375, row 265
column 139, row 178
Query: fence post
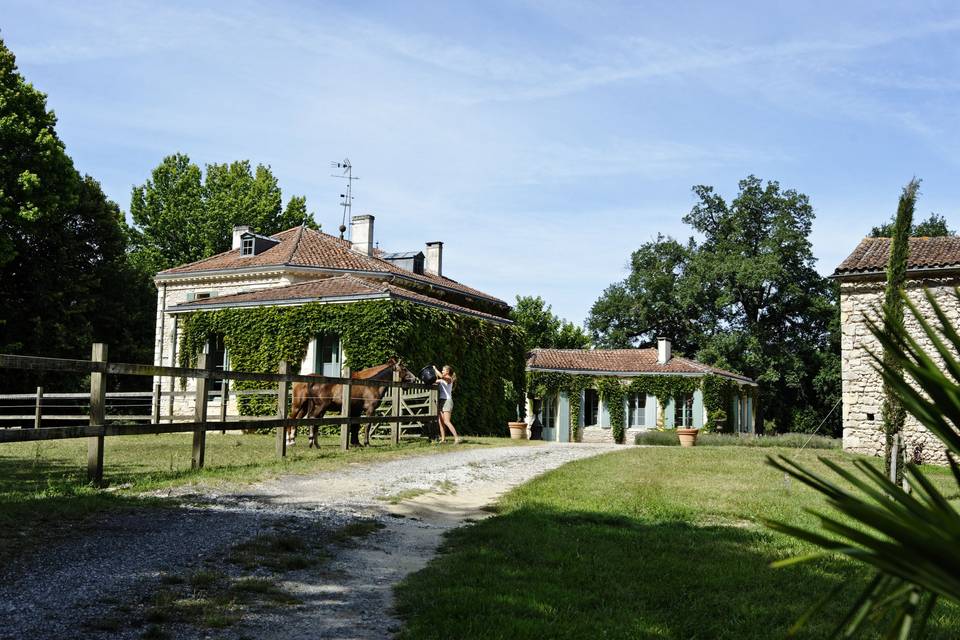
column 434, row 412
column 155, row 419
column 204, row 361
column 224, row 396
column 345, row 409
column 98, row 412
column 282, row 387
column 36, row 419
column 395, row 410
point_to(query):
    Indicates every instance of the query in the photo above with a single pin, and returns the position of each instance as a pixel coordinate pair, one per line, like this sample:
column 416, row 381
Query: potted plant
column 518, row 430
column 688, row 437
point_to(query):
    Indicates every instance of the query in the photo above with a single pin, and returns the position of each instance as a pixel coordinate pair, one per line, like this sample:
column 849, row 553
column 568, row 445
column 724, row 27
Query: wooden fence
column 403, row 403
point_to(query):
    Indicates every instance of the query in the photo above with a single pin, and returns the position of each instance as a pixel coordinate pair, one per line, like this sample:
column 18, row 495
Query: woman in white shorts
column 446, row 379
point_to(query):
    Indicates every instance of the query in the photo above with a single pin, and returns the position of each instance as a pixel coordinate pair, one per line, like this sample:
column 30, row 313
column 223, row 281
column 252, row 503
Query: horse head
column 405, row 374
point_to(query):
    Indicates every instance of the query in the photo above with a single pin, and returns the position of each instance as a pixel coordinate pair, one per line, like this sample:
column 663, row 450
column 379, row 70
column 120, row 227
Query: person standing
column 446, row 379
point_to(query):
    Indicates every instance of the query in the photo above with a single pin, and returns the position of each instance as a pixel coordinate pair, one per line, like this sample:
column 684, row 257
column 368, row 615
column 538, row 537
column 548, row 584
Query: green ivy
column 488, row 358
column 717, row 391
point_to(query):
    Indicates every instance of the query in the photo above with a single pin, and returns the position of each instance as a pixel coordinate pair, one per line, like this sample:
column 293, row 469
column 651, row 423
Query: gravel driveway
column 87, row 587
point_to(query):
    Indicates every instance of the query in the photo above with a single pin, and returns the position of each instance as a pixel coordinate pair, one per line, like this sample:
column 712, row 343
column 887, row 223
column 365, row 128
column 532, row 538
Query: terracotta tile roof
column 303, row 247
column 623, row 361
column 345, row 286
column 872, row 255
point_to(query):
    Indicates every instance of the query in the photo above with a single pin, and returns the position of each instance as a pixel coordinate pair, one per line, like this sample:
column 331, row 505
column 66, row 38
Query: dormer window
column 253, row 244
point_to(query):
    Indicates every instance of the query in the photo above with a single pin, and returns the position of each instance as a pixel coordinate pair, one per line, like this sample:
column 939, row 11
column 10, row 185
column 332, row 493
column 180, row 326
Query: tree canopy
column 746, row 297
column 64, row 274
column 182, row 214
column 935, row 225
column 543, row 329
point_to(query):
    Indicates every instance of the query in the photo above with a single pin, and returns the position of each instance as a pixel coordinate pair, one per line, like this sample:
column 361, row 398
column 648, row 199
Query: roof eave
column 881, row 273
column 635, row 374
column 288, row 267
column 214, row 306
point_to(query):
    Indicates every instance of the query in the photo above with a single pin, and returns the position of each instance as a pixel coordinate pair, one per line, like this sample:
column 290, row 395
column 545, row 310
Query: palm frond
column 911, row 538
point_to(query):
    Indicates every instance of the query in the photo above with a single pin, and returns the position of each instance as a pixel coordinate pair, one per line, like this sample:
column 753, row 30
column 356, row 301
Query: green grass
column 643, row 543
column 669, row 438
column 44, row 494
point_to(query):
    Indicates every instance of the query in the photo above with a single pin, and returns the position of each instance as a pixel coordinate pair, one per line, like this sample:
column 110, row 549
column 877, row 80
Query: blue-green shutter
column 604, row 417
column 650, row 420
column 563, row 418
column 670, row 419
column 698, row 409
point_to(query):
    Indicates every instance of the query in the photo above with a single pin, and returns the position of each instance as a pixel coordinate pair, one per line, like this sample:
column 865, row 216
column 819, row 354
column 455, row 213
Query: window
column 683, row 417
column 591, row 407
column 637, row 410
column 246, row 247
column 548, row 412
column 221, row 362
column 203, row 295
column 327, row 361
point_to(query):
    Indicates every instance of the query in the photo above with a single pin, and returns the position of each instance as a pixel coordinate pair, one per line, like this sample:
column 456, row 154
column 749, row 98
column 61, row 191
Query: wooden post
column 282, row 387
column 36, row 419
column 98, row 412
column 155, row 419
column 434, row 412
column 345, row 410
column 395, row 410
column 224, row 396
column 204, row 361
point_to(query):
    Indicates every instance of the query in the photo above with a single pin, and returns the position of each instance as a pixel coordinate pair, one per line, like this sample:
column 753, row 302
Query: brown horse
column 314, row 399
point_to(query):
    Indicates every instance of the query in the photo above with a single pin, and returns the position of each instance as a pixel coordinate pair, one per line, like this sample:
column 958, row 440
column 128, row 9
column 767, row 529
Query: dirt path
column 69, row 590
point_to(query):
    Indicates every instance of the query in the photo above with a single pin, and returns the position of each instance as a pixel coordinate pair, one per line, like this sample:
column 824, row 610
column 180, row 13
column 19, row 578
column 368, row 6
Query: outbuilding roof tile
column 620, row 361
column 873, row 254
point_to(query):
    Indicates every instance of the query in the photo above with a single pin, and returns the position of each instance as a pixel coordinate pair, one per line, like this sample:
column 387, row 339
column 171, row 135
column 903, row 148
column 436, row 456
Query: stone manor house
column 302, row 266
column 934, row 263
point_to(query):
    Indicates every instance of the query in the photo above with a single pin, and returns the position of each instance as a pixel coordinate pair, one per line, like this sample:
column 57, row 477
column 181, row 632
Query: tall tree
column 654, row 300
column 169, row 216
column 182, row 215
column 746, row 297
column 894, row 414
column 62, row 243
column 543, row 329
column 934, row 226
column 296, row 213
column 233, row 194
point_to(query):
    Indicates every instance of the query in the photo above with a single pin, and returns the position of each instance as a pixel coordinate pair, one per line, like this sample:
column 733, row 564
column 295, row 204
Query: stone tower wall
column 862, row 385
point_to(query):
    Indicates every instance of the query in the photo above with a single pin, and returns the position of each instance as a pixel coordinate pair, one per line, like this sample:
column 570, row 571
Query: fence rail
column 403, row 403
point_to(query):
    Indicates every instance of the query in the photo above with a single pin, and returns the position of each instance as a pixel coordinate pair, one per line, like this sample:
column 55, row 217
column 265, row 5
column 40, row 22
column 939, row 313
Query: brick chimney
column 433, row 258
column 663, row 350
column 361, row 234
column 238, row 231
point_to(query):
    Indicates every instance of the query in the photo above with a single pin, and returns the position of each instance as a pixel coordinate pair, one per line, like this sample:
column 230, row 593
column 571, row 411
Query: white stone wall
column 166, row 347
column 862, row 385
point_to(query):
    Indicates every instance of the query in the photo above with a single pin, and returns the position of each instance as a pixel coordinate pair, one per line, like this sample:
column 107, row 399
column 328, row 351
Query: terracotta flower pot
column 688, row 437
column 518, row 430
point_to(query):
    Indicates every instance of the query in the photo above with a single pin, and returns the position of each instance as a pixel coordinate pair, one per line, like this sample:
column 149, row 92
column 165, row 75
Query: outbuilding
column 611, row 395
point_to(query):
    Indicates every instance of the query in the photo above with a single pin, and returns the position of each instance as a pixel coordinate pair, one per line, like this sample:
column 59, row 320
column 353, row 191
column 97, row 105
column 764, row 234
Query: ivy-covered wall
column 613, row 390
column 488, row 358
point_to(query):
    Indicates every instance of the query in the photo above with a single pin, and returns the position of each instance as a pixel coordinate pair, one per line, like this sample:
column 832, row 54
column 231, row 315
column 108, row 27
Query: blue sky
column 541, row 141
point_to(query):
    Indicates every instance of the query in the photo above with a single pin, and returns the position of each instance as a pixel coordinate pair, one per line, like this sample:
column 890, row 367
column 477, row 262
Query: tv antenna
column 346, row 199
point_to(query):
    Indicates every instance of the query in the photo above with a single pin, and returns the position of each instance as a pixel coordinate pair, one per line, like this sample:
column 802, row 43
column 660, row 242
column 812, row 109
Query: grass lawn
column 645, row 543
column 43, row 490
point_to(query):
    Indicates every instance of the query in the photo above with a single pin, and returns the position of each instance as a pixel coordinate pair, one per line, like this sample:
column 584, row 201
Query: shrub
column 786, row 440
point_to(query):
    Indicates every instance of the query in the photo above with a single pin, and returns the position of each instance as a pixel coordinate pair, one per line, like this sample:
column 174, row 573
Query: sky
column 542, row 142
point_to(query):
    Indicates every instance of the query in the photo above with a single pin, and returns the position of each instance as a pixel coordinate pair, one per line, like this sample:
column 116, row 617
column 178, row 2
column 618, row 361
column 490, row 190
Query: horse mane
column 372, row 372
